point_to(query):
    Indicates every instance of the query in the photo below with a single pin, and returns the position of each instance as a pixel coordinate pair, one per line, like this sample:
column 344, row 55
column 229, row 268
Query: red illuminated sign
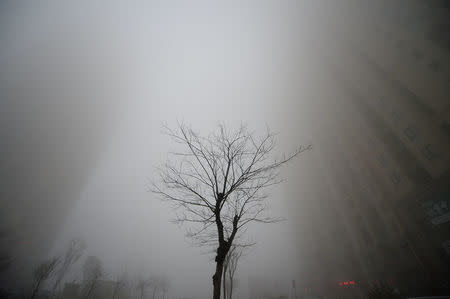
column 347, row 283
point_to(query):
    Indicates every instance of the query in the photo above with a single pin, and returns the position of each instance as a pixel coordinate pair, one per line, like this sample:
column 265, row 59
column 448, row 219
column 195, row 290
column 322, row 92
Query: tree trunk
column 115, row 290
column 58, row 280
column 224, row 280
column 231, row 289
column 217, row 279
column 91, row 288
column 36, row 289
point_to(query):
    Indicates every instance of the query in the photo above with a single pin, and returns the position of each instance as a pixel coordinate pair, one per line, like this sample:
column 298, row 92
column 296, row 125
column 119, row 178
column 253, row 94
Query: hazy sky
column 156, row 62
column 200, row 63
column 86, row 86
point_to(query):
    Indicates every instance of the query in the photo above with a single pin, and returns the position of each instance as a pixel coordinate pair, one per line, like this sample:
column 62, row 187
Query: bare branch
column 218, row 183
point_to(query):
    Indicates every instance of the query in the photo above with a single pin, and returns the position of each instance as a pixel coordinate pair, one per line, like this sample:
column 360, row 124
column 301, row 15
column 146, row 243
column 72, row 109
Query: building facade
column 380, row 213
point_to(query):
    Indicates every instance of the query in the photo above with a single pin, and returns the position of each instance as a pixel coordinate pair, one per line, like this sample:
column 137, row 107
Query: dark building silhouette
column 377, row 205
column 55, row 120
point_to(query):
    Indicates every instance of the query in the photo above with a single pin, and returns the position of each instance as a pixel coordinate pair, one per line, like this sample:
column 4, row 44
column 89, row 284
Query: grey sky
column 86, row 85
column 156, row 62
column 200, row 63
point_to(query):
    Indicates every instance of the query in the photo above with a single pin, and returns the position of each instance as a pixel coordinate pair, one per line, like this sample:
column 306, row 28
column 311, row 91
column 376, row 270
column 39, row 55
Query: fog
column 87, row 86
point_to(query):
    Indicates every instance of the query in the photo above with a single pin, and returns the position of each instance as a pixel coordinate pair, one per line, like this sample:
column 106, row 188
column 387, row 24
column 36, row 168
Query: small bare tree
column 142, row 285
column 218, row 183
column 42, row 272
column 72, row 255
column 229, row 269
column 92, row 271
column 155, row 282
column 165, row 285
column 119, row 284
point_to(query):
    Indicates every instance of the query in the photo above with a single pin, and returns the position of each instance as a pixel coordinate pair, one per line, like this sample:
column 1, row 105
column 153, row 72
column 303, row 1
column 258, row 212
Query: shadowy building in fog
column 381, row 212
column 55, row 118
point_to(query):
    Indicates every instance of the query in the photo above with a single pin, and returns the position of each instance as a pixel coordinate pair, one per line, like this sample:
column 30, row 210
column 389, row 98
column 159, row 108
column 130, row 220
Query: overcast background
column 145, row 63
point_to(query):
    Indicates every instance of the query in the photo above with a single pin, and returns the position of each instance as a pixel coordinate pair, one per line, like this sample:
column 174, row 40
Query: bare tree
column 165, row 285
column 42, row 272
column 142, row 285
column 119, row 284
column 229, row 269
column 92, row 271
column 218, row 183
column 156, row 283
column 72, row 255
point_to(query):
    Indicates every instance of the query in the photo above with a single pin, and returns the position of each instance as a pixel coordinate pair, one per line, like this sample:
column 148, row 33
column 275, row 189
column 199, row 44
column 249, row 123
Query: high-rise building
column 380, row 212
column 55, row 119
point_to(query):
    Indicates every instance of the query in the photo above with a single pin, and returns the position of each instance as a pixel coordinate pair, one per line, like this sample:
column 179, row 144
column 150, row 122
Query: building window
column 435, row 66
column 446, row 246
column 351, row 203
column 429, row 153
column 395, row 117
column 381, row 160
column 367, row 237
column 446, row 126
column 395, row 178
column 411, row 133
column 417, row 54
